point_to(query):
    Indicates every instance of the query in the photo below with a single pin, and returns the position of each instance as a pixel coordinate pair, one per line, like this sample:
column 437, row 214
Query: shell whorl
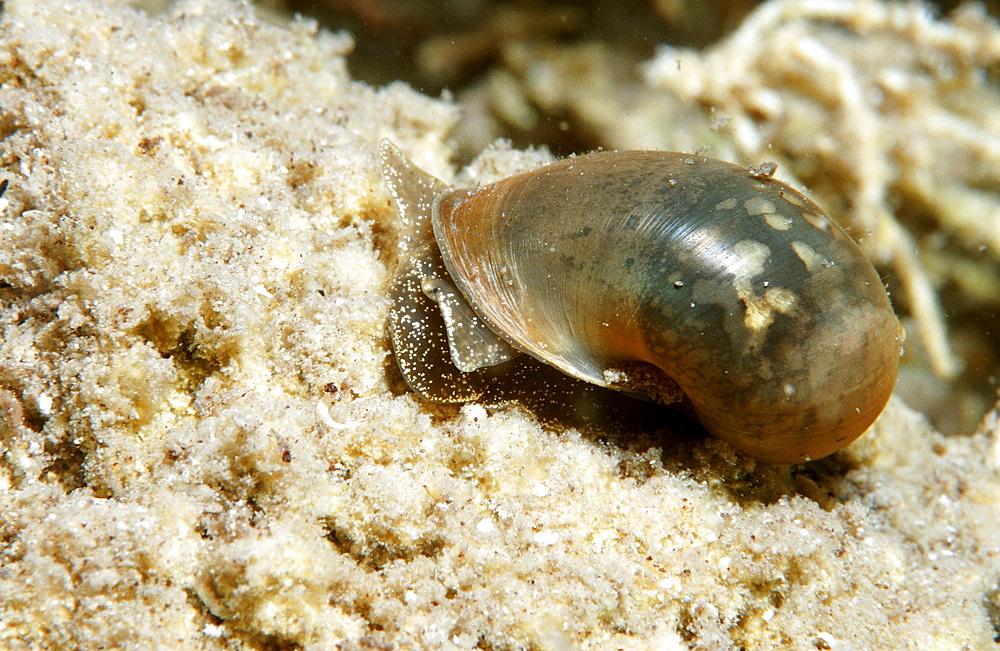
column 738, row 288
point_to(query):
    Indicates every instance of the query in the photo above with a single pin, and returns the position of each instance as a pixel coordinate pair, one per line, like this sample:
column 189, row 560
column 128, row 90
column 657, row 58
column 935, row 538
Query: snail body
column 655, row 273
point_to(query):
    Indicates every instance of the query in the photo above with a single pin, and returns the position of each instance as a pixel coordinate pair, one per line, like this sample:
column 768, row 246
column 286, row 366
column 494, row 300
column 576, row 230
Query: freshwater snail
column 654, row 273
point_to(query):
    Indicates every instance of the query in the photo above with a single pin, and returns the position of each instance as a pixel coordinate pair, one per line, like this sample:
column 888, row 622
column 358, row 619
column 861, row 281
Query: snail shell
column 649, row 271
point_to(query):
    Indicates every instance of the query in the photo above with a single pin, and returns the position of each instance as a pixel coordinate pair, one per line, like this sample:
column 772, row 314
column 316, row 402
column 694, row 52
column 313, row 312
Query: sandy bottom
column 205, row 445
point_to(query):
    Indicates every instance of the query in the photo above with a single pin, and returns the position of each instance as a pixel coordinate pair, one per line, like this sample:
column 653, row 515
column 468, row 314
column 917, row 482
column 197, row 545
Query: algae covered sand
column 203, row 442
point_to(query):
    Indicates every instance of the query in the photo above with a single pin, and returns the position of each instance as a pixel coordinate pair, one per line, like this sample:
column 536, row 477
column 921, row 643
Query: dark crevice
column 376, row 551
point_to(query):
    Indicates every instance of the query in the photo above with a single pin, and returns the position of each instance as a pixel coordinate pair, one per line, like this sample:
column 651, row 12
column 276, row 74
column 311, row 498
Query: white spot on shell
column 808, row 256
column 781, row 299
column 793, row 199
column 750, row 258
column 778, row 222
column 818, row 220
column 760, row 310
column 759, row 206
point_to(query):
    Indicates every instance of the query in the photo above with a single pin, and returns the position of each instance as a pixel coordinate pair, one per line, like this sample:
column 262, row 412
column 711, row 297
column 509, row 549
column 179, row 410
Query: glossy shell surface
column 646, row 271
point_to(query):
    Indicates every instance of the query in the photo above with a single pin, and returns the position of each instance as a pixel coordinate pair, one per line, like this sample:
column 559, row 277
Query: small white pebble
column 991, row 421
column 546, row 538
column 211, row 630
column 45, row 403
column 540, row 490
column 324, row 417
column 485, row 526
column 116, row 236
column 260, row 289
column 410, row 597
column 474, row 412
column 324, row 414
column 768, row 614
